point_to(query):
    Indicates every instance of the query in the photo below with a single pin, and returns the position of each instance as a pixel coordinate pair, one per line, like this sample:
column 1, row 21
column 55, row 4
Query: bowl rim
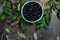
column 35, row 20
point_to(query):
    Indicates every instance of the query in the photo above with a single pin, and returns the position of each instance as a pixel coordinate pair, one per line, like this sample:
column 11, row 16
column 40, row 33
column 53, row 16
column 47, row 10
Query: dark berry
column 32, row 11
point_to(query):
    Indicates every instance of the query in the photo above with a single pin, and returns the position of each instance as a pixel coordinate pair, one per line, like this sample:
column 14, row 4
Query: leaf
column 40, row 26
column 22, row 24
column 46, row 11
column 58, row 15
column 50, row 2
column 8, row 4
column 18, row 7
column 58, row 7
column 6, row 11
column 35, row 36
column 16, row 3
column 2, row 17
column 1, row 1
column 54, row 6
column 47, row 18
column 14, row 18
column 45, row 26
column 7, row 30
column 13, row 11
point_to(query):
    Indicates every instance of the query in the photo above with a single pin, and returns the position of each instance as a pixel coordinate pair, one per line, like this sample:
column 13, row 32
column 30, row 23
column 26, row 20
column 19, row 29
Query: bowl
column 39, row 9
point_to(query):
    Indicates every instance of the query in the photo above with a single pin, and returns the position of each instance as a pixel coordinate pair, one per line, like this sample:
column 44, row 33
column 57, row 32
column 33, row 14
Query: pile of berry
column 32, row 11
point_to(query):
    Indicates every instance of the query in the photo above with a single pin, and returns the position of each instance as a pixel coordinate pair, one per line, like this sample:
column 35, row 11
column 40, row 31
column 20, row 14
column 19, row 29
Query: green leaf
column 14, row 18
column 53, row 6
column 58, row 7
column 46, row 26
column 22, row 24
column 47, row 18
column 16, row 3
column 8, row 4
column 50, row 2
column 14, row 10
column 46, row 11
column 35, row 36
column 58, row 15
column 1, row 1
column 2, row 17
column 18, row 7
column 7, row 30
column 6, row 11
column 40, row 26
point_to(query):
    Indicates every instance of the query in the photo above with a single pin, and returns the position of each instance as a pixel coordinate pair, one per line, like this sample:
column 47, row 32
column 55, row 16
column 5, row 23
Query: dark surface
column 1, row 29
